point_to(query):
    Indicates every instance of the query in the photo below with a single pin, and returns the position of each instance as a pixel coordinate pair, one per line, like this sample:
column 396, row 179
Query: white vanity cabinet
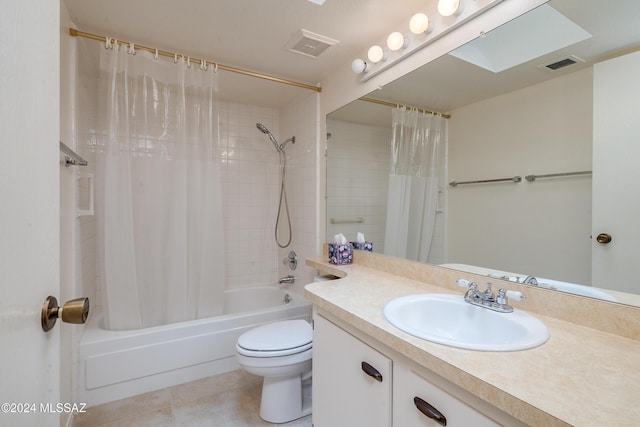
column 344, row 395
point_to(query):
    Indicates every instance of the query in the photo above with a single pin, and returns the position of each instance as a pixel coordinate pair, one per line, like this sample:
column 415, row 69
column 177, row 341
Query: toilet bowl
column 281, row 353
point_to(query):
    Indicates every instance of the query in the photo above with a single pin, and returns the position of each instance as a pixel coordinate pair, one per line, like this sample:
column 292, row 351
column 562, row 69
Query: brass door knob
column 73, row 311
column 604, row 238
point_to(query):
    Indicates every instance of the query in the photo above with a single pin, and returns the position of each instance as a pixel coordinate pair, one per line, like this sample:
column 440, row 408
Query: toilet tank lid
column 283, row 335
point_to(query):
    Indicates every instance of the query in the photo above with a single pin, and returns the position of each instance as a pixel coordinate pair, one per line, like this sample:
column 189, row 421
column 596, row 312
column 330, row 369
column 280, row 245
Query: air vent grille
column 309, row 44
column 561, row 64
column 565, row 62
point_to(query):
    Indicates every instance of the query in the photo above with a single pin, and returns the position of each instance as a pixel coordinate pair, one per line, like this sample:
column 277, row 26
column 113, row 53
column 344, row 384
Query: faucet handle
column 504, row 296
column 515, row 295
column 464, row 283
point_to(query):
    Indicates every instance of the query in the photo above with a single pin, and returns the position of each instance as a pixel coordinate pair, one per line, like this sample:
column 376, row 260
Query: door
column 351, row 381
column 29, row 210
column 616, row 175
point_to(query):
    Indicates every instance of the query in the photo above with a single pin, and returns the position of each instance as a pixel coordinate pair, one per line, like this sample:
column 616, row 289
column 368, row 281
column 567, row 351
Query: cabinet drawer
column 408, row 386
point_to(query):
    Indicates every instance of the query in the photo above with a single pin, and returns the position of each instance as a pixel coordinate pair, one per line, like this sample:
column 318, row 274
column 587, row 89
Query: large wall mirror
column 558, row 114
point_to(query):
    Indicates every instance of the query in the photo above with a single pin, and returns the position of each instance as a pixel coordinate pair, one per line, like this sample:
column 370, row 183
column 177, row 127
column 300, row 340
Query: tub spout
column 287, row 279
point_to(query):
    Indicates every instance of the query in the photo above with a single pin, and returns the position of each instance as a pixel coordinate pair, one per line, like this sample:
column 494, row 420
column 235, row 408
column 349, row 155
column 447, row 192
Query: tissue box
column 366, row 246
column 340, row 254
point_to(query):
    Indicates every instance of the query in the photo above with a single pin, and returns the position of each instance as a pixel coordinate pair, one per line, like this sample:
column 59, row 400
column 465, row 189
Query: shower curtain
column 416, row 161
column 160, row 219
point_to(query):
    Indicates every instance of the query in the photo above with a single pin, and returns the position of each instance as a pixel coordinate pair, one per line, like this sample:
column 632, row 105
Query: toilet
column 281, row 353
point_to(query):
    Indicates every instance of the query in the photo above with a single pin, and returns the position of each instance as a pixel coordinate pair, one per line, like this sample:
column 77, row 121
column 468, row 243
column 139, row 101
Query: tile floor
column 227, row 400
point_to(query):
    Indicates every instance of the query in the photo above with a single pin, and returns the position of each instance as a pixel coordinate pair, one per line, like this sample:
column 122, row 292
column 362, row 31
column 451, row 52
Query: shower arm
column 290, row 140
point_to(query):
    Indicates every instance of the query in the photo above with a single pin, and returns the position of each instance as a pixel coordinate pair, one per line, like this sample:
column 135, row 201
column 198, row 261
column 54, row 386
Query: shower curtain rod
column 76, row 33
column 395, row 104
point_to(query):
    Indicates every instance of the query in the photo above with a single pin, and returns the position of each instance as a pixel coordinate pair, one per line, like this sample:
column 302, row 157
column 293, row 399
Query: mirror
column 524, row 120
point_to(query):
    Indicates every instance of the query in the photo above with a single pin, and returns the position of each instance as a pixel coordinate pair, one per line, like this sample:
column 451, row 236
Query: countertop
column 580, row 377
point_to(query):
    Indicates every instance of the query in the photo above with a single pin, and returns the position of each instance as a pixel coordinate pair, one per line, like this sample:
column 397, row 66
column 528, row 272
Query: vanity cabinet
column 347, row 393
column 351, row 381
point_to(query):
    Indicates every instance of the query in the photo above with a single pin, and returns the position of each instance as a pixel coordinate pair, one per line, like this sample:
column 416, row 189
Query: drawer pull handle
column 430, row 411
column 371, row 371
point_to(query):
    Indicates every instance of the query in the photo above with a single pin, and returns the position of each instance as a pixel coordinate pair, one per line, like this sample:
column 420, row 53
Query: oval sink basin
column 449, row 320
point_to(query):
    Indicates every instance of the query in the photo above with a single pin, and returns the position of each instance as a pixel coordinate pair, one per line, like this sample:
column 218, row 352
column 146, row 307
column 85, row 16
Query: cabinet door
column 411, row 391
column 344, row 395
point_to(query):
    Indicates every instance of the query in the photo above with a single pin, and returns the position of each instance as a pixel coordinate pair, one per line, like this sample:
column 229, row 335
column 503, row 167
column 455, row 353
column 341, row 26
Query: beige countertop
column 581, row 376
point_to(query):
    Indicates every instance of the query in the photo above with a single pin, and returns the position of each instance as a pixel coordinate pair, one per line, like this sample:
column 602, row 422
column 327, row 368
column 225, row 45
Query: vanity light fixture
column 449, row 7
column 439, row 19
column 396, row 41
column 419, row 24
column 376, row 54
column 358, row 66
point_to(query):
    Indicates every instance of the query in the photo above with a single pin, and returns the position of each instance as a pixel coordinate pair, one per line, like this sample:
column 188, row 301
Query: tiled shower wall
column 250, row 179
column 300, row 119
column 250, row 174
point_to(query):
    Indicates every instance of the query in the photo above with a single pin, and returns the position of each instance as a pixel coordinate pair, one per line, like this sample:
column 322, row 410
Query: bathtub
column 118, row 364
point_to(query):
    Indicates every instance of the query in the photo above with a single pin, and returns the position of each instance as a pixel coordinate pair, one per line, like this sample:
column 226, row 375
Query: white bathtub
column 119, row 364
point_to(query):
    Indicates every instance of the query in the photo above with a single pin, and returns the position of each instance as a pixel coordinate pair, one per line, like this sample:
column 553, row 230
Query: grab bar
column 532, row 178
column 513, row 179
column 71, row 158
column 357, row 220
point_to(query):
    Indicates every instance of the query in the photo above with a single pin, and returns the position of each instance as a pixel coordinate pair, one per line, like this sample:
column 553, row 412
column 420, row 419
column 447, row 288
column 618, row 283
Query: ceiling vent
column 309, row 44
column 564, row 63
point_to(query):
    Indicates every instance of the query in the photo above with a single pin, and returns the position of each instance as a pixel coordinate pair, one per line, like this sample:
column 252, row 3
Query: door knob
column 604, row 238
column 73, row 311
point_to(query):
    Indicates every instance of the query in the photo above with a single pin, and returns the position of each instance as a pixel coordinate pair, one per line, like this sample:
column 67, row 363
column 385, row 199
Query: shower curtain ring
column 107, row 43
column 175, row 58
column 156, row 55
column 188, row 62
column 215, row 67
column 132, row 48
column 203, row 65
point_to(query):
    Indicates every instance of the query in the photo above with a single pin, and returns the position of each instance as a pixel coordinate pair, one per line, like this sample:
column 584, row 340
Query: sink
column 449, row 320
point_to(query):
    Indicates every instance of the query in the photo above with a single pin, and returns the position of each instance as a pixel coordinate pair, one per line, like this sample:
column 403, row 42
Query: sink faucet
column 487, row 299
column 287, row 279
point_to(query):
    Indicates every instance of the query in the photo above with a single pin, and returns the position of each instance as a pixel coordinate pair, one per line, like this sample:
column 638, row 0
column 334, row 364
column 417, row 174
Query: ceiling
column 248, row 34
column 253, row 35
column 449, row 83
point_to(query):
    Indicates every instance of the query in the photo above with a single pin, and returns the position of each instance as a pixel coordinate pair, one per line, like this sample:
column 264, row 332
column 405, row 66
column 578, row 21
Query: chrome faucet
column 287, row 279
column 487, row 299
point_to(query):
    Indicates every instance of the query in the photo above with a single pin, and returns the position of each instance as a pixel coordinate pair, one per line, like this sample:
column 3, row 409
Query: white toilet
column 281, row 353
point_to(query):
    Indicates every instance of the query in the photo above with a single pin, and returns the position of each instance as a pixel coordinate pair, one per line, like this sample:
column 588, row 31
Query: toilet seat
column 276, row 339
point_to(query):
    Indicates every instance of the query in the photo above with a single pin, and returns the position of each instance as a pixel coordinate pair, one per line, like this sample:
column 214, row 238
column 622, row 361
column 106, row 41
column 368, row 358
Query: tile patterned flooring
column 227, row 400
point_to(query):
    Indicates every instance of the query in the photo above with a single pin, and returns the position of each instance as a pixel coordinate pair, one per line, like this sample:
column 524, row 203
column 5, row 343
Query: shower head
column 279, row 147
column 266, row 131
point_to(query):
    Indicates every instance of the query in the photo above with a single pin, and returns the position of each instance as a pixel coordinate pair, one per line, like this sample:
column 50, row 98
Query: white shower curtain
column 160, row 218
column 412, row 201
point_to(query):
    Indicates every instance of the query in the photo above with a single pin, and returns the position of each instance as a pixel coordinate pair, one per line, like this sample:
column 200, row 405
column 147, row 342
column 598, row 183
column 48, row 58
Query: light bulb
column 419, row 23
column 375, row 54
column 448, row 7
column 358, row 66
column 395, row 41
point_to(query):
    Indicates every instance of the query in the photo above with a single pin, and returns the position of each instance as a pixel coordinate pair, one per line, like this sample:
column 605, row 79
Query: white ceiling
column 253, row 34
column 449, row 83
column 248, row 34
